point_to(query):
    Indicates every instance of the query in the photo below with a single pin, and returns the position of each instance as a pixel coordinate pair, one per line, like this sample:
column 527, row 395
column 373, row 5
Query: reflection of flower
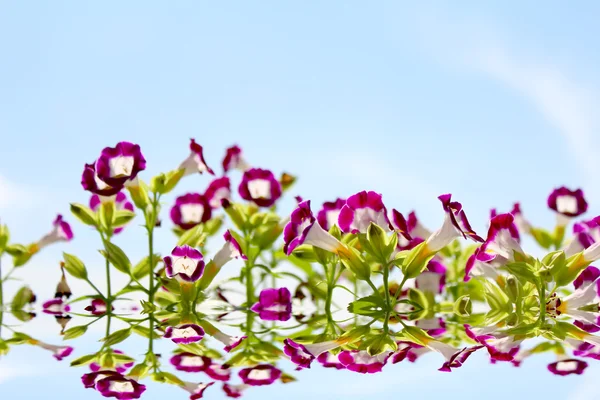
column 230, row 342
column 360, row 361
column 190, row 362
column 196, row 390
column 234, row 391
column 567, row 366
column 260, row 375
column 329, row 360
column 59, row 352
column 119, row 387
column 97, row 307
column 184, row 334
column 56, row 307
column 274, row 305
column 218, row 372
column 303, row 354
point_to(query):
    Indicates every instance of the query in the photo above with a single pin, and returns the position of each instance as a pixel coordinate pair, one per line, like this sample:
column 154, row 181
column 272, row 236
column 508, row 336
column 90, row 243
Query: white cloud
column 564, row 99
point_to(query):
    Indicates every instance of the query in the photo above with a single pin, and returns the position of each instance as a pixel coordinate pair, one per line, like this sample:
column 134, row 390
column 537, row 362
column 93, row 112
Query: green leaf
column 142, row 331
column 74, row 332
column 117, row 257
column 117, row 337
column 543, row 237
column 143, row 268
column 172, row 178
column 122, row 217
column 74, row 266
column 352, row 260
column 212, row 226
column 4, row 238
column 416, row 261
column 192, row 237
column 370, row 306
column 139, row 194
column 84, row 214
column 83, row 360
column 106, row 215
column 496, row 298
column 139, row 371
column 378, row 240
column 23, row 297
column 16, row 250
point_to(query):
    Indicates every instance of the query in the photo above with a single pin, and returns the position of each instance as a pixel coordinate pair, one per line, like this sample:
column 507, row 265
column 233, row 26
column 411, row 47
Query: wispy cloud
column 559, row 95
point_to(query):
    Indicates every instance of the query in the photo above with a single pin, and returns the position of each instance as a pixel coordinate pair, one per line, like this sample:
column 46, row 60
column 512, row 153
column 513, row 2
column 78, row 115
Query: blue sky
column 490, row 101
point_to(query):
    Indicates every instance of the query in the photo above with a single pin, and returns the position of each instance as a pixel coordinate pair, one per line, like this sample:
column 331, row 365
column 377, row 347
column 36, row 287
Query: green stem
column 95, row 288
column 372, row 286
column 151, row 256
column 330, row 285
column 542, row 293
column 108, row 289
column 399, row 290
column 1, row 295
column 386, row 275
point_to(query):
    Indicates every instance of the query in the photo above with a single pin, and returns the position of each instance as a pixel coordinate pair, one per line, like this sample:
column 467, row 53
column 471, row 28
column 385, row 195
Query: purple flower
column 120, row 368
column 501, row 347
column 121, row 203
column 230, row 342
column 89, row 380
column 190, row 210
column 121, row 163
column 260, row 186
column 433, row 279
column 360, row 361
column 260, row 375
column 400, row 225
column 499, row 248
column 218, row 372
column 230, row 250
column 92, row 183
column 234, row 391
column 196, row 390
column 304, row 229
column 274, row 305
column 190, row 362
column 406, row 350
column 433, row 326
column 328, row 360
column 184, row 334
column 360, row 210
column 567, row 366
column 415, row 231
column 234, row 160
column 185, row 263
column 329, row 214
column 522, row 224
column 303, row 354
column 218, row 190
column 567, row 202
column 455, row 225
column 61, row 232
column 97, row 307
column 195, row 162
column 584, row 295
column 588, row 277
column 56, row 307
column 120, row 387
column 586, row 233
column 59, row 352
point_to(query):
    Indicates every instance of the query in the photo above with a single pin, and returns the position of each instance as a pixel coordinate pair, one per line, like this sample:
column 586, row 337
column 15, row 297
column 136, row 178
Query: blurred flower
column 567, row 203
column 119, row 387
column 360, row 361
column 218, row 190
column 234, row 160
column 97, row 307
column 328, row 360
column 230, row 250
column 195, row 162
column 61, row 232
column 260, row 186
column 274, row 305
column 234, row 391
column 121, row 203
column 56, row 307
column 190, row 362
column 190, row 210
column 218, row 372
column 59, row 352
column 303, row 354
column 329, row 214
column 567, row 366
column 62, row 289
column 184, row 334
column 260, row 375
column 196, row 390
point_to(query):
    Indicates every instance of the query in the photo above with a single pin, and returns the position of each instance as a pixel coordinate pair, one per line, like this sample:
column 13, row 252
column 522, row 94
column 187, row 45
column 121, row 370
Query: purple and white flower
column 230, row 250
column 567, row 366
column 260, row 375
column 195, row 163
column 230, row 342
column 234, row 391
column 360, row 361
column 584, row 295
column 56, row 307
column 360, row 210
column 196, row 390
column 58, row 352
column 417, row 232
column 184, row 334
column 585, row 234
column 567, row 203
column 455, row 225
column 190, row 210
column 433, row 279
column 97, row 307
column 218, row 372
column 119, row 387
column 455, row 358
column 190, row 362
column 218, row 190
column 433, row 326
column 121, row 163
column 89, row 380
column 328, row 360
column 260, row 186
column 92, row 183
column 121, row 203
column 185, row 263
column 234, row 160
column 329, row 214
column 500, row 346
column 61, row 232
column 274, row 305
column 303, row 354
column 304, row 229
